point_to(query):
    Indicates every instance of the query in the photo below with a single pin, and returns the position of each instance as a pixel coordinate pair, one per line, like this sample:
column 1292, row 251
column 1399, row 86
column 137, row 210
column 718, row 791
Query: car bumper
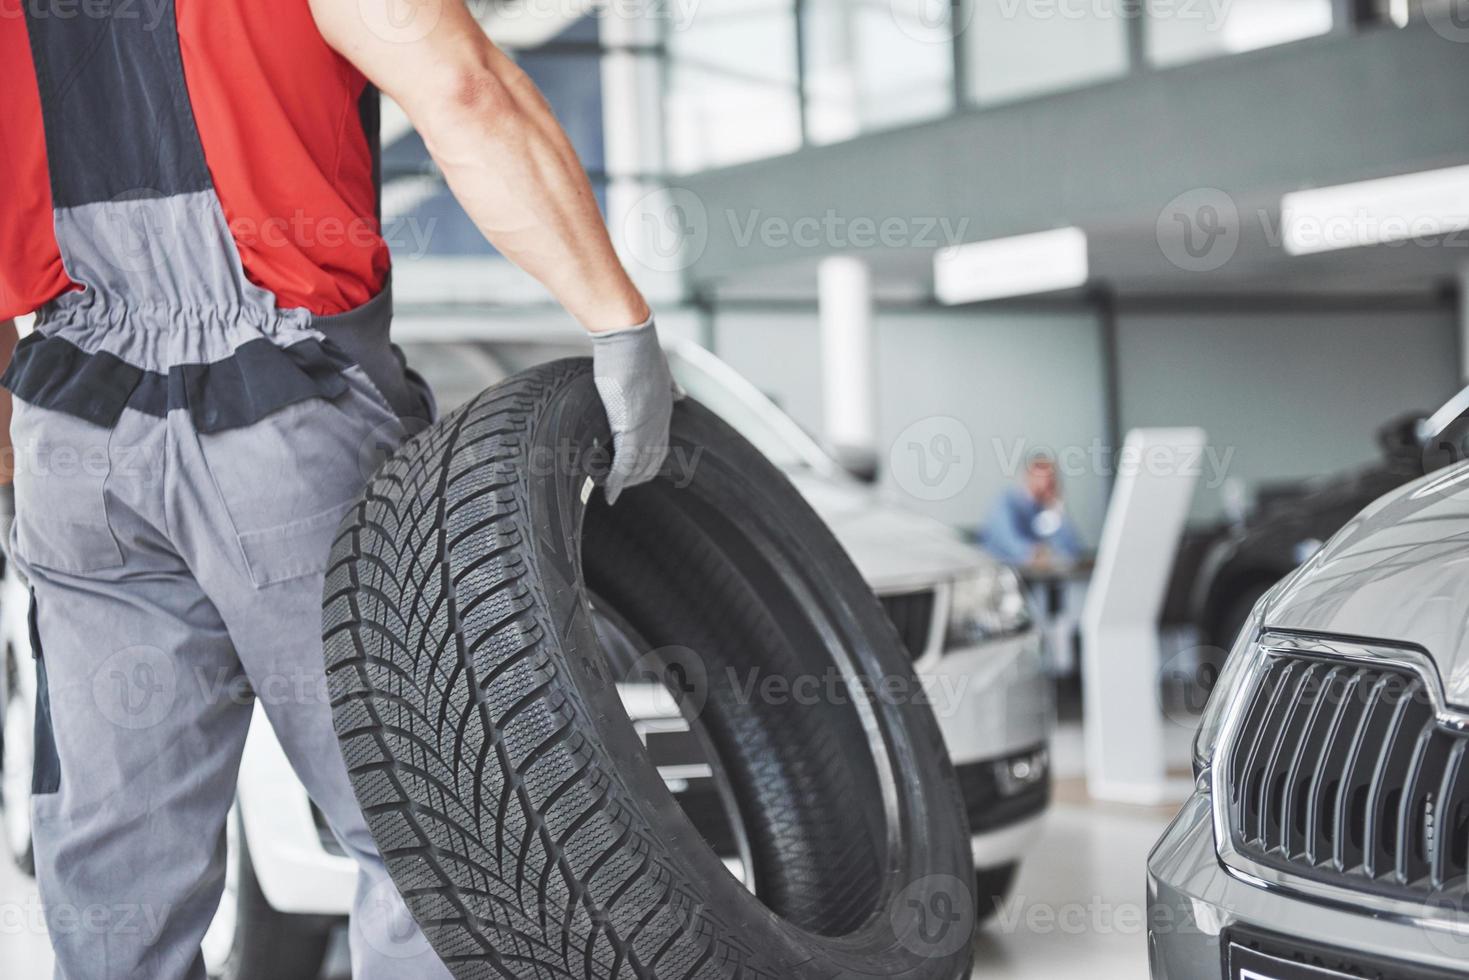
column 995, row 707
column 992, row 700
column 1197, row 908
column 1006, row 800
column 300, row 867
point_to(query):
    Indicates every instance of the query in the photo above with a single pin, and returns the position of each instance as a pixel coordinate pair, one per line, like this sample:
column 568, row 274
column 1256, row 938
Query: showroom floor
column 1077, row 908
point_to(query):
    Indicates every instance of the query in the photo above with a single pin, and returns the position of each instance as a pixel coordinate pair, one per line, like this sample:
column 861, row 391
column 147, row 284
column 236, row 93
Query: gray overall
column 185, row 450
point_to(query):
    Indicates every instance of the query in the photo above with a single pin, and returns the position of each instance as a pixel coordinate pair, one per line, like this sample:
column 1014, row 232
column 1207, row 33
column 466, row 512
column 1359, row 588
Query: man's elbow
column 475, row 89
column 468, row 98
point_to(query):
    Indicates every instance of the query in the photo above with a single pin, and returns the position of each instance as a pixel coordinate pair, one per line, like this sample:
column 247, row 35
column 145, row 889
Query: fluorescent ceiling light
column 1017, row 266
column 1376, row 212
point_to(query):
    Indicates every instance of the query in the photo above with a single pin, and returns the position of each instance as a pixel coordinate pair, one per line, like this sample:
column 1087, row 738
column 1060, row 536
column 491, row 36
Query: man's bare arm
column 501, row 149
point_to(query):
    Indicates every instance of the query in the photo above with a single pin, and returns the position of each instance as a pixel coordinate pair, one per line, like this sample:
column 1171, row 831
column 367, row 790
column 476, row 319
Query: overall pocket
column 61, row 468
column 287, row 480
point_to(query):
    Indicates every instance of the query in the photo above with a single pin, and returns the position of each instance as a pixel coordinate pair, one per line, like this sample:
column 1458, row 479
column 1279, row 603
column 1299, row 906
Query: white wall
column 1016, row 383
column 1284, row 396
column 780, row 352
column 1010, row 384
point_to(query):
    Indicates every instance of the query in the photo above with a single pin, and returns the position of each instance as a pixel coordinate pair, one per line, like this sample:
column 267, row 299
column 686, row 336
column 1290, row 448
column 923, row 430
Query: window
column 872, row 64
column 1179, row 31
column 1019, row 48
column 732, row 93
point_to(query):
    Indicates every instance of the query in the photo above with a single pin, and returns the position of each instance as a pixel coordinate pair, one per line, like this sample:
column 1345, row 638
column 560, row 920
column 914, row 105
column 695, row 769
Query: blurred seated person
column 1028, row 526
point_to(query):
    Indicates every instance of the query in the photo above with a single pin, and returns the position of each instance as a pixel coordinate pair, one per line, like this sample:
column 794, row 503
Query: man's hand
column 638, row 393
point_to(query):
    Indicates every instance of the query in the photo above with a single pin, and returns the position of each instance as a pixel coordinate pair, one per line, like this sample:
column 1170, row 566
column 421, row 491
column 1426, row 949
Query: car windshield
column 459, row 371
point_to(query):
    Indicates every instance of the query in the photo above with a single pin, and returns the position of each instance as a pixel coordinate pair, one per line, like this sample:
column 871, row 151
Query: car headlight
column 987, row 605
column 1236, row 668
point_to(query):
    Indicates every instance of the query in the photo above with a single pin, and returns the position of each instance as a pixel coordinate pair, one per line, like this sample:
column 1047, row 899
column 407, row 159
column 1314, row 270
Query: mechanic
column 190, row 212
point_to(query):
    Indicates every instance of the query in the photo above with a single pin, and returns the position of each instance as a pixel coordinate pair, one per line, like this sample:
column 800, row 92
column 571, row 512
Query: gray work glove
column 638, row 393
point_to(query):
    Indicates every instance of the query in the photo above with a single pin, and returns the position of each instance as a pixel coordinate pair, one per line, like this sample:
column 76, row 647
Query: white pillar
column 1125, row 732
column 848, row 356
column 653, row 227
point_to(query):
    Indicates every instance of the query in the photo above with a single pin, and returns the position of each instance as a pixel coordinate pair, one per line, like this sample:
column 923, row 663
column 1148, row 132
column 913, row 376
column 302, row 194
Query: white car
column 963, row 616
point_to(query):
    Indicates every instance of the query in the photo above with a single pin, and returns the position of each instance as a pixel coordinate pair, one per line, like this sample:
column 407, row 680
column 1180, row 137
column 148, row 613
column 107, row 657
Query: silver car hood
column 1398, row 573
column 894, row 549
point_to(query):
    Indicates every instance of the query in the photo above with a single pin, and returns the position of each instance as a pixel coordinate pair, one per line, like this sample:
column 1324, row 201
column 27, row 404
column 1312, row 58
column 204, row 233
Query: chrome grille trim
column 1293, row 661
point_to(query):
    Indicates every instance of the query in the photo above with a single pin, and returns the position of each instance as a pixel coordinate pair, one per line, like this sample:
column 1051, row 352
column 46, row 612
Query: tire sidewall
column 929, row 880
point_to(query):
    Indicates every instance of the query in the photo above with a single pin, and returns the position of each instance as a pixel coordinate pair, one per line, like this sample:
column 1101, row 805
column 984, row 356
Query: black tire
column 992, row 889
column 267, row 944
column 501, row 777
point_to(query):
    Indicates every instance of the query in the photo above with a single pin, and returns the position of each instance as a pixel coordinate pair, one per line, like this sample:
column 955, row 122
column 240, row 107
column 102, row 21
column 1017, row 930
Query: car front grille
column 912, row 614
column 1343, row 774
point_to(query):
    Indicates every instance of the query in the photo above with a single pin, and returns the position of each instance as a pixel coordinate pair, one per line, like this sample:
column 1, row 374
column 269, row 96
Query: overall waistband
column 67, row 366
